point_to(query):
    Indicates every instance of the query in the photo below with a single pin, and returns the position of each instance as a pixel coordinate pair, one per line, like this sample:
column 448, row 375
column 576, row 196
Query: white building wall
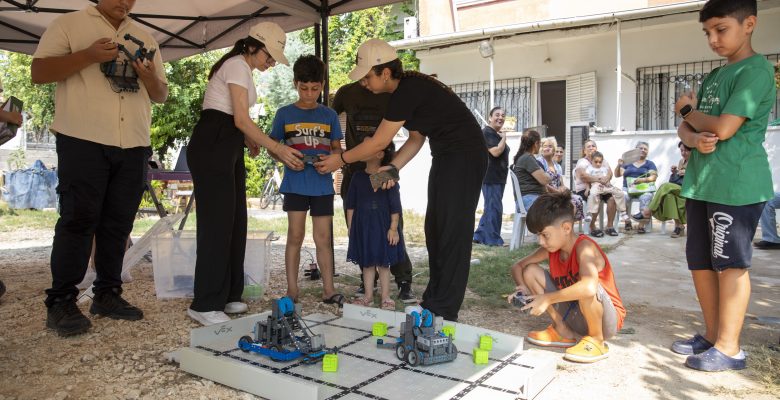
column 663, row 152
column 592, row 49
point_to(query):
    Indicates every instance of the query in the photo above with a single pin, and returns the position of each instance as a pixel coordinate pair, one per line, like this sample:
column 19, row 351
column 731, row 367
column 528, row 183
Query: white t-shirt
column 597, row 172
column 234, row 70
column 585, row 165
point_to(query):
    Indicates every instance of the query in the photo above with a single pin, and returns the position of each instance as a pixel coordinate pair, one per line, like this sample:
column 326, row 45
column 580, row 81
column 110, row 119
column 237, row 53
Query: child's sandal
column 362, row 301
column 388, row 305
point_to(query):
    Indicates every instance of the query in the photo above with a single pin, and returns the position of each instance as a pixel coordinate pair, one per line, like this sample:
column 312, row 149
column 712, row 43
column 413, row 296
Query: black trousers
column 454, row 185
column 215, row 156
column 402, row 271
column 100, row 188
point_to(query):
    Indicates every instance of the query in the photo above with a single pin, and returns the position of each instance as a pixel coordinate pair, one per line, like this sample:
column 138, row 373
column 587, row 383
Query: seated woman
column 531, row 177
column 640, row 171
column 582, row 183
column 549, row 164
column 667, row 203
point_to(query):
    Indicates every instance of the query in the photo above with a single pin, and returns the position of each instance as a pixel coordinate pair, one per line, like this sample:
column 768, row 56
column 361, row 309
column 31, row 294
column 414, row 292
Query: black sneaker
column 64, row 316
column 362, row 290
column 2, row 288
column 111, row 304
column 405, row 293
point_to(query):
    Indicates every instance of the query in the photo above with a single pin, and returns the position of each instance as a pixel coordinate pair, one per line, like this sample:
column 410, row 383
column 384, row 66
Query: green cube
column 379, row 329
column 330, row 363
column 480, row 356
column 449, row 330
column 486, row 342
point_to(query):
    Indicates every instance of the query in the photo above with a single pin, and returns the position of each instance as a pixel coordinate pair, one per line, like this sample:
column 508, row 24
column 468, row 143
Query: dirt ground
column 127, row 360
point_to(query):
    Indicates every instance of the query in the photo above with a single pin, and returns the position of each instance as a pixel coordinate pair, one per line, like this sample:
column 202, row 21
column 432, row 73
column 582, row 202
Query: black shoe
column 405, row 293
column 360, row 292
column 764, row 245
column 2, row 288
column 64, row 316
column 639, row 217
column 111, row 304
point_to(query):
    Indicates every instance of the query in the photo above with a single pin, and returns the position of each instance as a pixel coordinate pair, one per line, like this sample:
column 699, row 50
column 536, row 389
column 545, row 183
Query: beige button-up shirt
column 85, row 105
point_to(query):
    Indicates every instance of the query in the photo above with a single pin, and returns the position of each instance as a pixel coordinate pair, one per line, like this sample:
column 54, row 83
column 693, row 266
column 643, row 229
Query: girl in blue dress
column 375, row 237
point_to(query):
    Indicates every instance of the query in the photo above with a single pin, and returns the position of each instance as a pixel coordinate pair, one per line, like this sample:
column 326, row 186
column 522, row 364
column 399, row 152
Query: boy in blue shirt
column 313, row 129
column 727, row 181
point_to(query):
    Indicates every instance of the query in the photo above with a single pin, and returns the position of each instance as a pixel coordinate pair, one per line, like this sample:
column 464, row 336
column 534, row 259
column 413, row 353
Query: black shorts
column 320, row 205
column 720, row 236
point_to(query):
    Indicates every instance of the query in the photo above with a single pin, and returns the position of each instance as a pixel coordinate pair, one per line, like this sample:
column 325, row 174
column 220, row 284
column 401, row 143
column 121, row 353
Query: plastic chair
column 518, row 227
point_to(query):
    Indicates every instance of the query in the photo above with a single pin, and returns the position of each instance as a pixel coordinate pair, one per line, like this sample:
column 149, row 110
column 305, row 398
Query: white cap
column 274, row 39
column 371, row 53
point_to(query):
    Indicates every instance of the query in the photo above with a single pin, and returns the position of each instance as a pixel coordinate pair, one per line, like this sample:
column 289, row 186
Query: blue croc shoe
column 695, row 345
column 713, row 360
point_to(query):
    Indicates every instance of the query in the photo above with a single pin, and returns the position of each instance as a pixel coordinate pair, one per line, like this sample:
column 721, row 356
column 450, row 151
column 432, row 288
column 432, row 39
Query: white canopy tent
column 183, row 27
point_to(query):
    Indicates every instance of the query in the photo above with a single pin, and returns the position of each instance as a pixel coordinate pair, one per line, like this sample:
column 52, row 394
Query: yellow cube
column 330, row 363
column 486, row 342
column 480, row 356
column 449, row 330
column 379, row 329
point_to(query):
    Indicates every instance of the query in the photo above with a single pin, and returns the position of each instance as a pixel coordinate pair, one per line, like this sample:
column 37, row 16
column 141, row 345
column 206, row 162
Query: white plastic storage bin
column 173, row 260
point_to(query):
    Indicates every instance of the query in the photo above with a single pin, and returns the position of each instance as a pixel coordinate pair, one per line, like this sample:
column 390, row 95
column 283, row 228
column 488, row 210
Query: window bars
column 513, row 95
column 659, row 87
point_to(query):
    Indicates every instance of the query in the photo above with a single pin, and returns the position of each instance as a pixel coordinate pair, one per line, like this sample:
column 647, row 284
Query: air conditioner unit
column 410, row 28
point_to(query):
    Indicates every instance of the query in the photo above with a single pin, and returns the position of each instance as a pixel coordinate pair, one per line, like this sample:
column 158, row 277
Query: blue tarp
column 34, row 187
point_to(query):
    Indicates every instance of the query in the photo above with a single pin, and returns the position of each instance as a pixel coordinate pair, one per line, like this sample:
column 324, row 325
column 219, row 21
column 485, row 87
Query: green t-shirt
column 737, row 173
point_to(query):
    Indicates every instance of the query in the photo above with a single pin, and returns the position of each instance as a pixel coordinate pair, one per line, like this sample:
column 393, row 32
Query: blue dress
column 368, row 245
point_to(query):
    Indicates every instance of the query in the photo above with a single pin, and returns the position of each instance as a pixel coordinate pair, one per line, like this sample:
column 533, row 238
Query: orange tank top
column 566, row 273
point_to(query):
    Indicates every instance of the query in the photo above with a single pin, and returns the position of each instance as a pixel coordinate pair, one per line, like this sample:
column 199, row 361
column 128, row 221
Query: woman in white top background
column 215, row 156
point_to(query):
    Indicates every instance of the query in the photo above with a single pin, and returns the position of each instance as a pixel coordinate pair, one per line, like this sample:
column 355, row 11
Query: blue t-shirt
column 632, row 171
column 310, row 132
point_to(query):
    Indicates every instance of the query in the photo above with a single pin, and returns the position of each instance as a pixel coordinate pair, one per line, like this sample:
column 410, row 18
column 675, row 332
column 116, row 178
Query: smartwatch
column 686, row 110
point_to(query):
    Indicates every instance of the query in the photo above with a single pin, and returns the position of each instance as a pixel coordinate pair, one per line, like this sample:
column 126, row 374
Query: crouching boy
column 578, row 292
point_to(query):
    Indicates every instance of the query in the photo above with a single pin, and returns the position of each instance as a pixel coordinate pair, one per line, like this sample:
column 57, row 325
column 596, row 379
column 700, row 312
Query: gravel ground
column 127, row 360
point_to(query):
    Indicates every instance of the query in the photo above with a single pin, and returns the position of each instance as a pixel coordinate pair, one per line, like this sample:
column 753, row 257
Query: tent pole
column 325, row 53
column 619, row 76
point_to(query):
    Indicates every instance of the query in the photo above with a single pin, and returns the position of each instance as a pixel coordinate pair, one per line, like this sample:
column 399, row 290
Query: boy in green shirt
column 727, row 182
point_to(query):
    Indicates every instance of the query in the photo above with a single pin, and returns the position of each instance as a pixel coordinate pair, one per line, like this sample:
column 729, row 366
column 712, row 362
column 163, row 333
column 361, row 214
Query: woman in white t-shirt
column 215, row 156
column 582, row 181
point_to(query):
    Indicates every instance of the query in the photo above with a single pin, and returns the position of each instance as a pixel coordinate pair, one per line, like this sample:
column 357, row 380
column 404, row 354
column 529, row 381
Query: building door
column 552, row 107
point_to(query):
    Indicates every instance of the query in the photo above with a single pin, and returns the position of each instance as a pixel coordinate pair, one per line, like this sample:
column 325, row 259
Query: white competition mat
column 364, row 370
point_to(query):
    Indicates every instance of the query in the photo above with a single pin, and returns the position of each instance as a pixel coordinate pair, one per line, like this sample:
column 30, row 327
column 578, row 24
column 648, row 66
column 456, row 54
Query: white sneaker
column 236, row 307
column 208, row 317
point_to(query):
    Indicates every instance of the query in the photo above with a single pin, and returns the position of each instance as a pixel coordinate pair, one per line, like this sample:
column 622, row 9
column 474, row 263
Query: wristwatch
column 686, row 110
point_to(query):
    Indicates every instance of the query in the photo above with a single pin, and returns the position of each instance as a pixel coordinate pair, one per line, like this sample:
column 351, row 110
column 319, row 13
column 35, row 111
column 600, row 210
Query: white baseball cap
column 274, row 39
column 371, row 53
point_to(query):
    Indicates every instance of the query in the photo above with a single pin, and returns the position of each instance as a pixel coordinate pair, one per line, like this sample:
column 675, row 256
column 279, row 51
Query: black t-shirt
column 523, row 168
column 437, row 113
column 364, row 110
column 497, row 166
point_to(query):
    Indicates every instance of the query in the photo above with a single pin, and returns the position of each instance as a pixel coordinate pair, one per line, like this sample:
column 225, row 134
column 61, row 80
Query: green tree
column 174, row 120
column 38, row 99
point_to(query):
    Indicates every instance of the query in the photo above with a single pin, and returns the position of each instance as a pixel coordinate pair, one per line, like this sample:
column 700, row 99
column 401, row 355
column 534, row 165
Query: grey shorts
column 572, row 315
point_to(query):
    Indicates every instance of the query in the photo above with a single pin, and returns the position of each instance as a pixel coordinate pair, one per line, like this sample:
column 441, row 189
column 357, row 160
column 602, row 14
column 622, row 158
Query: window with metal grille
column 513, row 95
column 659, row 87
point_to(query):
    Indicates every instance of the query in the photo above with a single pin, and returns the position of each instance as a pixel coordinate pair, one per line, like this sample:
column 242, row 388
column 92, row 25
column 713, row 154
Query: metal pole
column 317, row 51
column 492, row 85
column 619, row 77
column 326, row 86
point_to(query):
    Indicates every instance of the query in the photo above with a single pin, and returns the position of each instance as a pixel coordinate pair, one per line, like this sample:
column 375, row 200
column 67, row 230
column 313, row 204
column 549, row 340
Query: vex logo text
column 720, row 224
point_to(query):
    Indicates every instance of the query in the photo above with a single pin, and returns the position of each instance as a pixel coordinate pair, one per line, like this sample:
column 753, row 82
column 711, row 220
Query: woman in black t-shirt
column 428, row 108
column 530, row 175
column 489, row 229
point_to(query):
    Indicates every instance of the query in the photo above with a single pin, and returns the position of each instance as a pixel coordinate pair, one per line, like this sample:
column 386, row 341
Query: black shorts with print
column 720, row 236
